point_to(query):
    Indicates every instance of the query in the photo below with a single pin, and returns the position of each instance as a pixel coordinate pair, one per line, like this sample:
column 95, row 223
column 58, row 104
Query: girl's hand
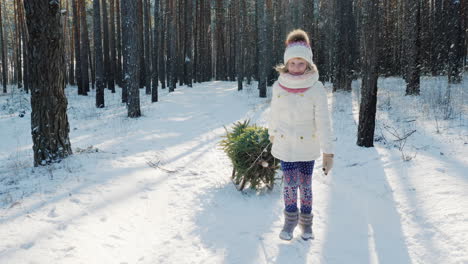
column 327, row 160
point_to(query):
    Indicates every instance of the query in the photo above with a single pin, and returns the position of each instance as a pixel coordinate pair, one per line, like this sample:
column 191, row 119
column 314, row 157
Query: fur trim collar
column 298, row 81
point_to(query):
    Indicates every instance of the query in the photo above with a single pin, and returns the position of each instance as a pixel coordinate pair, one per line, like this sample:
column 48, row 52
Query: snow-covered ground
column 157, row 189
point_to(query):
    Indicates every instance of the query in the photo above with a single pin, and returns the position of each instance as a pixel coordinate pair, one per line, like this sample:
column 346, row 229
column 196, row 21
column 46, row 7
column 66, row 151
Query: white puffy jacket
column 300, row 122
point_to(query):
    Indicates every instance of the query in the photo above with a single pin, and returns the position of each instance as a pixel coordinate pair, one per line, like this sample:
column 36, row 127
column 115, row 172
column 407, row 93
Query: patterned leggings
column 298, row 175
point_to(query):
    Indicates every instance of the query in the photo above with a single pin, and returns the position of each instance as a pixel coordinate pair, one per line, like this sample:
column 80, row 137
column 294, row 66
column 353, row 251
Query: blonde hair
column 283, row 68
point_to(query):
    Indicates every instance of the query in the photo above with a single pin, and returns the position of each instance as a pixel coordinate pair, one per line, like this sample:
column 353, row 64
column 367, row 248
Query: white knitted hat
column 298, row 46
column 298, row 49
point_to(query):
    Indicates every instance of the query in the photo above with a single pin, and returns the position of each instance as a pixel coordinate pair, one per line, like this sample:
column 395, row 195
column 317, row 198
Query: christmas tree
column 249, row 149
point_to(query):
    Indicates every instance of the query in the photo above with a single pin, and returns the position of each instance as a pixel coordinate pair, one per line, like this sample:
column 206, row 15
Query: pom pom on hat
column 298, row 46
column 297, row 35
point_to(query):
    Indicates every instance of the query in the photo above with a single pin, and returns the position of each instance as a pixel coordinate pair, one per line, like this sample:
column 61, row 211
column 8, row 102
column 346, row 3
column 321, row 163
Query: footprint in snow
column 75, row 200
column 27, row 245
column 52, row 213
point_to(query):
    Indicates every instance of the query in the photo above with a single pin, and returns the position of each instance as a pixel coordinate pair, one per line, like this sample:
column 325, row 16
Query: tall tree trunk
column 3, row 53
column 24, row 37
column 113, row 53
column 71, row 62
column 105, row 32
column 84, row 48
column 188, row 43
column 239, row 43
column 118, row 72
column 262, row 38
column 49, row 120
column 412, row 47
column 147, row 48
column 456, row 42
column 171, row 47
column 162, row 34
column 155, row 76
column 100, row 85
column 141, row 43
column 19, row 51
column 345, row 31
column 76, row 29
column 131, row 56
column 91, row 66
column 221, row 73
column 271, row 73
column 367, row 110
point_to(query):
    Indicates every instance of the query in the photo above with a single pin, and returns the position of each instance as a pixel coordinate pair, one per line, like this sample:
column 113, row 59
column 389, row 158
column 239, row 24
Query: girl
column 299, row 127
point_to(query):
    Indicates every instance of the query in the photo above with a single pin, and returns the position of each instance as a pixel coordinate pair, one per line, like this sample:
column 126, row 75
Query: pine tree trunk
column 141, row 44
column 456, row 42
column 368, row 104
column 162, row 58
column 118, row 72
column 49, row 120
column 131, row 56
column 262, row 38
column 155, row 76
column 219, row 42
column 124, row 84
column 345, row 33
column 24, row 37
column 113, row 53
column 84, row 48
column 76, row 33
column 19, row 51
column 172, row 46
column 3, row 53
column 105, row 32
column 71, row 62
column 100, row 85
column 412, row 47
column 147, row 47
column 239, row 43
column 271, row 73
column 188, row 60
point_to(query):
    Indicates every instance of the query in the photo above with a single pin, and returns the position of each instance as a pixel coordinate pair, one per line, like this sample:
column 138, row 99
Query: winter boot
column 290, row 222
column 305, row 223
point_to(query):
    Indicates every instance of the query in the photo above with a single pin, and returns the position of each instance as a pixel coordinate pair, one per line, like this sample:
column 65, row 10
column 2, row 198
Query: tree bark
column 98, row 55
column 76, row 34
column 262, row 64
column 456, row 40
column 147, row 48
column 49, row 120
column 131, row 56
column 113, row 52
column 106, row 50
column 367, row 110
column 171, row 46
column 84, row 48
column 162, row 34
column 412, row 47
column 3, row 53
column 188, row 43
column 118, row 72
column 239, row 43
column 155, row 76
column 345, row 31
column 141, row 44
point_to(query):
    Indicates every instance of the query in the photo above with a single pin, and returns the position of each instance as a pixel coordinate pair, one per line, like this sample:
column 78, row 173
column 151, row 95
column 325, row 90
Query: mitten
column 327, row 160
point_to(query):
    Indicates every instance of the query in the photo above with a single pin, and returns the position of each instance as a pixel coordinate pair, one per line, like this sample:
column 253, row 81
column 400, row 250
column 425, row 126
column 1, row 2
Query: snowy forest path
column 157, row 189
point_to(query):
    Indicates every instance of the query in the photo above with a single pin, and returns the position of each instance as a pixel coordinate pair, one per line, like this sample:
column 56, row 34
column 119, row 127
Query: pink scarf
column 297, row 83
column 297, row 90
